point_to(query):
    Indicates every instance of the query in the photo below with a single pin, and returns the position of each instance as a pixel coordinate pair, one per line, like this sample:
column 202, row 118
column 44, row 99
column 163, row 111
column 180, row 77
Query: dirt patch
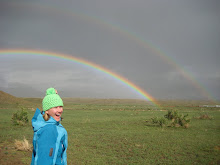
column 217, row 148
column 10, row 156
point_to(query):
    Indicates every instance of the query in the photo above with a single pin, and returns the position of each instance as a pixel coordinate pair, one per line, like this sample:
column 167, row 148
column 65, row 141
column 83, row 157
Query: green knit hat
column 52, row 99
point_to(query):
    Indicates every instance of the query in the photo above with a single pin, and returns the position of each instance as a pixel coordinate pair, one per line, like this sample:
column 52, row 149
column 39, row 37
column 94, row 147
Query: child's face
column 55, row 112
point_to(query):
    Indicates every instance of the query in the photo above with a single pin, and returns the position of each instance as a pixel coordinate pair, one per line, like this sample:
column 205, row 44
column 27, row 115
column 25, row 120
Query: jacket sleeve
column 64, row 156
column 45, row 145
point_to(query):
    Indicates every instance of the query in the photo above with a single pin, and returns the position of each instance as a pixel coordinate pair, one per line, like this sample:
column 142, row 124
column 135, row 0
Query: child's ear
column 46, row 112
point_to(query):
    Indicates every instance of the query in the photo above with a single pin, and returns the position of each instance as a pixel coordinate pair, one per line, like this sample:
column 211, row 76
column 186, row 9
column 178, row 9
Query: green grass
column 119, row 134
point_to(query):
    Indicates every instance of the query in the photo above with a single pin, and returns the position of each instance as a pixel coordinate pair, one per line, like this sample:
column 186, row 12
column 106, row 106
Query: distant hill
column 70, row 101
column 6, row 98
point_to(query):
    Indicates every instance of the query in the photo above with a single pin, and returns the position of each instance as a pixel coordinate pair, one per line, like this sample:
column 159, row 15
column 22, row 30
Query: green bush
column 176, row 120
column 20, row 117
column 160, row 121
column 172, row 114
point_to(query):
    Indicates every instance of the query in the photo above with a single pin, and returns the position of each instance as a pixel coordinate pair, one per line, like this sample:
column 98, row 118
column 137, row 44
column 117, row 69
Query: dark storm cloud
column 126, row 37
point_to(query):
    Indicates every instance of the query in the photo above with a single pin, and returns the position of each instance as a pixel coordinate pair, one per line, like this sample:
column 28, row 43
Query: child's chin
column 57, row 118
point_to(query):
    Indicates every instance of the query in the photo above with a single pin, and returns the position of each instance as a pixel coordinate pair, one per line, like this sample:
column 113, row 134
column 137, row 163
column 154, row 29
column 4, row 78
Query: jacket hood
column 39, row 122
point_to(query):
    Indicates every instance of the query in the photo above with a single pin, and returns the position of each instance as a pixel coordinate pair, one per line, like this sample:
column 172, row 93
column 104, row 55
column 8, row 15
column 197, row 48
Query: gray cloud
column 147, row 42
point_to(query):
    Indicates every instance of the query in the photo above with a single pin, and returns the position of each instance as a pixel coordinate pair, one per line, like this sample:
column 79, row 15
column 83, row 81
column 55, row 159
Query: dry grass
column 205, row 116
column 186, row 125
column 23, row 145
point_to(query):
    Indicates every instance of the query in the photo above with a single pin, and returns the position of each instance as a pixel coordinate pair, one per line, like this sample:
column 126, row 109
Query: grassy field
column 116, row 132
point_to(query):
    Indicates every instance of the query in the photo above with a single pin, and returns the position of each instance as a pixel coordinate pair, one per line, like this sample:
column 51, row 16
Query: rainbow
column 126, row 82
column 123, row 31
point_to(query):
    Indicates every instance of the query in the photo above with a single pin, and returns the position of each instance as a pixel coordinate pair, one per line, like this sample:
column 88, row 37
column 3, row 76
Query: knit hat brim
column 51, row 100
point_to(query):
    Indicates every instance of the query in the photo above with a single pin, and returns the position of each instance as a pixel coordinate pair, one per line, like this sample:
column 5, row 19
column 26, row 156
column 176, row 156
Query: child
column 50, row 137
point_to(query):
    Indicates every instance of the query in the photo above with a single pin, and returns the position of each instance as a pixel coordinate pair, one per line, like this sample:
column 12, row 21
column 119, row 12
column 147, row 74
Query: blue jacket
column 49, row 141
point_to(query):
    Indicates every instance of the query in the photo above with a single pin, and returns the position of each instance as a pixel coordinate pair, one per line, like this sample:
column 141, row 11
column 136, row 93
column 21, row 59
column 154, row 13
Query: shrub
column 172, row 114
column 205, row 116
column 177, row 120
column 160, row 121
column 20, row 117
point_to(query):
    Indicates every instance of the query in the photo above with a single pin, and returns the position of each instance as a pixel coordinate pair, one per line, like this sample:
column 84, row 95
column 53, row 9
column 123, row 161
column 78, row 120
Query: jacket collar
column 39, row 122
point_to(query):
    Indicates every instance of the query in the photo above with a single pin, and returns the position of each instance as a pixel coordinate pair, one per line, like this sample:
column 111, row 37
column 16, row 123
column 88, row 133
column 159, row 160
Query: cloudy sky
column 168, row 48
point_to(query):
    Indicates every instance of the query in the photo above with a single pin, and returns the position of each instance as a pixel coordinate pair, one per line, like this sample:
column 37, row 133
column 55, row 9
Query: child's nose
column 60, row 109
